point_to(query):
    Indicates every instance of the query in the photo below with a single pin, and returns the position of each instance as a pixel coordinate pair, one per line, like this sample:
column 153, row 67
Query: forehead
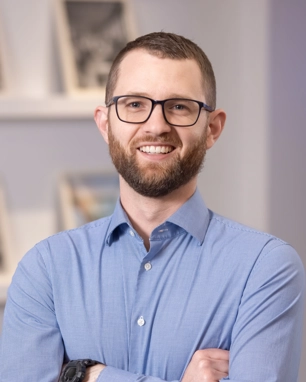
column 143, row 73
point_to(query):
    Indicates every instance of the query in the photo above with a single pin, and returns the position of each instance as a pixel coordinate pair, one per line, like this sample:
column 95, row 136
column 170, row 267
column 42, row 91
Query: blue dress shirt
column 206, row 282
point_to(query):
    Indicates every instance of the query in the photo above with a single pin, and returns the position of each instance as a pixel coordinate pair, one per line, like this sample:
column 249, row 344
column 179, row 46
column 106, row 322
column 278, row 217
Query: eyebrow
column 172, row 95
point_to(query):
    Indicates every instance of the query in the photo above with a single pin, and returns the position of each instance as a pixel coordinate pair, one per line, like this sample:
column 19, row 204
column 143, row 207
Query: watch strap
column 74, row 370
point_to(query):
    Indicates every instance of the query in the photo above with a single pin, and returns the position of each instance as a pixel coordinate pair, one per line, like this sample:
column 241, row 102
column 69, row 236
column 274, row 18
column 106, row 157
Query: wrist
column 93, row 372
column 78, row 370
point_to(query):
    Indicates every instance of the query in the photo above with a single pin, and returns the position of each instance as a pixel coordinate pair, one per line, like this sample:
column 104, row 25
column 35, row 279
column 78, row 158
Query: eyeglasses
column 177, row 111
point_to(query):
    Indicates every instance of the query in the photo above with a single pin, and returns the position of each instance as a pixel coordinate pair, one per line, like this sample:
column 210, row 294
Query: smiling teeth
column 156, row 149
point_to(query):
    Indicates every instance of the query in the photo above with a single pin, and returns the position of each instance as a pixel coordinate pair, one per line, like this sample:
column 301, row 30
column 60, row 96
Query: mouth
column 156, row 149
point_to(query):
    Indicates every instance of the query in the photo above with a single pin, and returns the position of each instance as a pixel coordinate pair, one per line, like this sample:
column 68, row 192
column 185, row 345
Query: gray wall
column 287, row 128
column 255, row 174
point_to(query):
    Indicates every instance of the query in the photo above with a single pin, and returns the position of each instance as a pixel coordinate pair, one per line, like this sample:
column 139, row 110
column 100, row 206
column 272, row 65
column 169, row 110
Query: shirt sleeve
column 267, row 335
column 31, row 347
column 266, row 338
column 111, row 374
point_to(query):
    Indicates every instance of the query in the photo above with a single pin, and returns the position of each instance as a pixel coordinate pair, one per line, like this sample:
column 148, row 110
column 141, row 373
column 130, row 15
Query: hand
column 93, row 372
column 208, row 365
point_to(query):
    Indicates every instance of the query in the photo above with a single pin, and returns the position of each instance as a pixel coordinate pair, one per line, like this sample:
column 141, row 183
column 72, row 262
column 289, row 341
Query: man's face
column 155, row 158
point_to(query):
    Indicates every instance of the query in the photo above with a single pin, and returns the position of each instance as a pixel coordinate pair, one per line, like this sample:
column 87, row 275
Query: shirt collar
column 193, row 216
column 118, row 218
column 186, row 217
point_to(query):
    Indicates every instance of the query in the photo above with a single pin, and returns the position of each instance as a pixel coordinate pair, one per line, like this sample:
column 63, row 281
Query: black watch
column 75, row 370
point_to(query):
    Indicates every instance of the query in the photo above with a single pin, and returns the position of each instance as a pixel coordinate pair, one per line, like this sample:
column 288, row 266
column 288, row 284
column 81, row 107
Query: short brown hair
column 167, row 45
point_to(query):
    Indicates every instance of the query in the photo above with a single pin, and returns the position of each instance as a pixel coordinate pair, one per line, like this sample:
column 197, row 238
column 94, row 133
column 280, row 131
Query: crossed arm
column 265, row 339
column 208, row 365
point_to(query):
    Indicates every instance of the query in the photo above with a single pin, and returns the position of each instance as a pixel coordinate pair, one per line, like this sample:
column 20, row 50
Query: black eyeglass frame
column 114, row 101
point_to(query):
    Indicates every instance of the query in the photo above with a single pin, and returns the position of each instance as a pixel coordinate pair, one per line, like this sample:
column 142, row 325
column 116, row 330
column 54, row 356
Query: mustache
column 170, row 139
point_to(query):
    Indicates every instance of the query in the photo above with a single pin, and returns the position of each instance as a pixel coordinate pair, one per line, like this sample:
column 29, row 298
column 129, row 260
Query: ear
column 215, row 127
column 101, row 119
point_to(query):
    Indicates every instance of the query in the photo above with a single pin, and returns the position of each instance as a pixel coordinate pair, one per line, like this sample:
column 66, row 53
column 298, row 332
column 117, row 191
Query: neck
column 146, row 213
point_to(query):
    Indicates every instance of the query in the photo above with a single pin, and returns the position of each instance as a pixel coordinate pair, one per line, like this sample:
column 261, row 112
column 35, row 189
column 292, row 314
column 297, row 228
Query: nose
column 157, row 124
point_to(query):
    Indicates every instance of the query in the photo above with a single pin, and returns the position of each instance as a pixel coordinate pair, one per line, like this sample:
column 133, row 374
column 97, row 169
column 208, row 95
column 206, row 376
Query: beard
column 157, row 179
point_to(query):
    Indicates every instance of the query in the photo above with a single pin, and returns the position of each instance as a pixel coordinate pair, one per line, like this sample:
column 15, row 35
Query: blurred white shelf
column 53, row 107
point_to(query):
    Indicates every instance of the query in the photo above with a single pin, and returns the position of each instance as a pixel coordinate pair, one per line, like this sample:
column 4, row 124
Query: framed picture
column 90, row 34
column 1, row 73
column 3, row 65
column 87, row 196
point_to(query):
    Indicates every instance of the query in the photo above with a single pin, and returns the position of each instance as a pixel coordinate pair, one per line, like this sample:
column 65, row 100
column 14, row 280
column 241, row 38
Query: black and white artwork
column 96, row 31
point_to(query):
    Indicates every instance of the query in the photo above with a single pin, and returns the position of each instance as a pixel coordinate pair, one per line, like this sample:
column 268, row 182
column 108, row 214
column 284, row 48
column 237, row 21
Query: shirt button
column 141, row 321
column 147, row 266
column 132, row 233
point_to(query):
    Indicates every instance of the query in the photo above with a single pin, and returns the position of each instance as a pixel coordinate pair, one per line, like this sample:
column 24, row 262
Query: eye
column 179, row 107
column 134, row 104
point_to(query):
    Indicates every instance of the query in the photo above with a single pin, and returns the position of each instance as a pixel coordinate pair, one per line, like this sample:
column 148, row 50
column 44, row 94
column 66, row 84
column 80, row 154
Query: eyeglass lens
column 180, row 112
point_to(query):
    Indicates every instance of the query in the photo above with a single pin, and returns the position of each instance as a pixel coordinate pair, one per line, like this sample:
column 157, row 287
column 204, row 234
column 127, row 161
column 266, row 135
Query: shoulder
column 62, row 247
column 227, row 228
column 231, row 226
column 89, row 231
column 67, row 254
column 262, row 258
column 251, row 243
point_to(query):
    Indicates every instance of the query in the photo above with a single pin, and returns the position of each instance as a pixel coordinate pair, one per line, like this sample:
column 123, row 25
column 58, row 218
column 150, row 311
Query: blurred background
column 256, row 172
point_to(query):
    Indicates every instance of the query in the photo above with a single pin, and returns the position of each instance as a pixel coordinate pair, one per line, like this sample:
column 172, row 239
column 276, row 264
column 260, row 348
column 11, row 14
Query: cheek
column 190, row 138
column 124, row 139
column 121, row 131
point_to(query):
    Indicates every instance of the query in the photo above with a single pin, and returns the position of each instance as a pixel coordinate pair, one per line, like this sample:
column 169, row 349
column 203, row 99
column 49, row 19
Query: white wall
column 255, row 174
column 233, row 34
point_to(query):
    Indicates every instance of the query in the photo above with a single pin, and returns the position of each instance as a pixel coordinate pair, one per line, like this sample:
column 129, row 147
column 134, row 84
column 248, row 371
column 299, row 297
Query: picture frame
column 2, row 86
column 4, row 83
column 86, row 196
column 90, row 34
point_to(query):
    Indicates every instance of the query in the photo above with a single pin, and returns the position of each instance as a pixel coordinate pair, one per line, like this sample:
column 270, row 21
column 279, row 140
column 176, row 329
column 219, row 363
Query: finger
column 214, row 365
column 219, row 354
column 220, row 366
column 209, row 373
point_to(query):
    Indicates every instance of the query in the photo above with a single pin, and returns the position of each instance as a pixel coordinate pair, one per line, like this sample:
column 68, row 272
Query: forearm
column 111, row 374
column 206, row 365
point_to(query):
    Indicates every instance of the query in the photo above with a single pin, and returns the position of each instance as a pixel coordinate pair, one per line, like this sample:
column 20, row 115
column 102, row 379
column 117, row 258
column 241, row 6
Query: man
column 164, row 289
